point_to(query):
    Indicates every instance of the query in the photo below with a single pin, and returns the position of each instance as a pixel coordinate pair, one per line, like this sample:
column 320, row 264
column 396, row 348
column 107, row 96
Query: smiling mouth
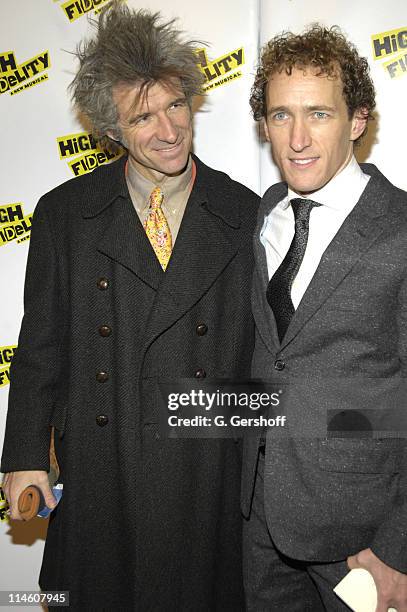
column 304, row 162
column 170, row 149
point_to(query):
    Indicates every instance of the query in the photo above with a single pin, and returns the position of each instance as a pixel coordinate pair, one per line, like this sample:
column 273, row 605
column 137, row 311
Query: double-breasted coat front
column 146, row 522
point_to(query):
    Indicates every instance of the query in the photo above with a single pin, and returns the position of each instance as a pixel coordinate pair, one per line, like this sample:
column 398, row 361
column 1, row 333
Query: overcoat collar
column 360, row 229
column 112, row 185
column 207, row 240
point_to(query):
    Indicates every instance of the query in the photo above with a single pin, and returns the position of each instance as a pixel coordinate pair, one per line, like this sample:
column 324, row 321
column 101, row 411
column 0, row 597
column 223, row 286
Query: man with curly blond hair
column 330, row 306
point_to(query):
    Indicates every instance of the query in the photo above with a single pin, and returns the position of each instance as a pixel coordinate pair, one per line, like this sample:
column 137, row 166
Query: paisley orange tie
column 157, row 228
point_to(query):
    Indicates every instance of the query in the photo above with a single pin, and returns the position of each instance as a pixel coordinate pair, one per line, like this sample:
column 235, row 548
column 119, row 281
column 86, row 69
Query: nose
column 166, row 129
column 300, row 137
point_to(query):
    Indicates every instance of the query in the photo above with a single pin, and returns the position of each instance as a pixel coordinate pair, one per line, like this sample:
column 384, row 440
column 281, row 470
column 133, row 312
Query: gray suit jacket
column 346, row 346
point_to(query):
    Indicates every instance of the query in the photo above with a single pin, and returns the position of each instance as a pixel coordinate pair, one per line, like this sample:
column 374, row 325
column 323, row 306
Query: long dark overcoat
column 146, row 522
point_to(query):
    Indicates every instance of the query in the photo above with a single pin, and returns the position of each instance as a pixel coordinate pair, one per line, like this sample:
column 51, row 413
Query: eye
column 178, row 104
column 280, row 116
column 321, row 115
column 139, row 120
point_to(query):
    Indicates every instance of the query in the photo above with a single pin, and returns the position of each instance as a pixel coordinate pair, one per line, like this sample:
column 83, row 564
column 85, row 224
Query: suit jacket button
column 201, row 329
column 102, row 283
column 279, row 365
column 200, row 373
column 102, row 420
column 102, row 377
column 105, row 331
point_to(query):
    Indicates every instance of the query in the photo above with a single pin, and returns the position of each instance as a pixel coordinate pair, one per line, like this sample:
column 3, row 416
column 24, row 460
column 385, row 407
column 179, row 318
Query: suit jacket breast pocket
column 358, row 455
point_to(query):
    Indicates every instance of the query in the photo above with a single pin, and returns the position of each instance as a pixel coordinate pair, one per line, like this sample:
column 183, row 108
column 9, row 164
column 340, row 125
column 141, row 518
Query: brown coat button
column 105, row 331
column 102, row 283
column 279, row 365
column 201, row 329
column 200, row 373
column 102, row 420
column 102, row 377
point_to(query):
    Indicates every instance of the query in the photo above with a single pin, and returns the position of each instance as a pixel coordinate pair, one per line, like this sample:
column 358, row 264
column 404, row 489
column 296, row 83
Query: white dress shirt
column 337, row 199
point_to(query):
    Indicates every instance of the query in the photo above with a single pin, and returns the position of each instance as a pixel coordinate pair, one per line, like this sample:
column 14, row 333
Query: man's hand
column 391, row 585
column 15, row 482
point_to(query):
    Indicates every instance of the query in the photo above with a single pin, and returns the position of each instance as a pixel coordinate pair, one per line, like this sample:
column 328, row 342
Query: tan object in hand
column 29, row 502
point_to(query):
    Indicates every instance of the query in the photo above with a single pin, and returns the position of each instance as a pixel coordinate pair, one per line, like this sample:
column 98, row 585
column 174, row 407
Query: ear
column 265, row 129
column 117, row 137
column 359, row 122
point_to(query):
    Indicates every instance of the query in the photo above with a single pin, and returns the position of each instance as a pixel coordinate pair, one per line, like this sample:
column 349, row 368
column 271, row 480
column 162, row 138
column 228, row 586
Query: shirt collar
column 142, row 187
column 341, row 193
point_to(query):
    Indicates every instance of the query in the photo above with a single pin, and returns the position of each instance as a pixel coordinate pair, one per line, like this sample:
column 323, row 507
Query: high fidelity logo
column 14, row 224
column 90, row 153
column 6, row 355
column 222, row 70
column 3, row 506
column 391, row 44
column 15, row 77
column 74, row 9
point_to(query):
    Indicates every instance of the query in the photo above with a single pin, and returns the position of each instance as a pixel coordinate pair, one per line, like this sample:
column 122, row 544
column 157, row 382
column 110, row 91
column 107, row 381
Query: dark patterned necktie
column 279, row 287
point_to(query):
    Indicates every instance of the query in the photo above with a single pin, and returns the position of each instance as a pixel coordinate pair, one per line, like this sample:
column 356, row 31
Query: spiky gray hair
column 130, row 47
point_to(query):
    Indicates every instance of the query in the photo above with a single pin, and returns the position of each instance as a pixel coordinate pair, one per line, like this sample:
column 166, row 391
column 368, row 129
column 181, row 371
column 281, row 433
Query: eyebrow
column 322, row 107
column 147, row 112
column 313, row 107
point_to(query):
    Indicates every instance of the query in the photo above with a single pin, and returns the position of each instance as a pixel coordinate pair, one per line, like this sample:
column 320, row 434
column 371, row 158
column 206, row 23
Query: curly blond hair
column 328, row 52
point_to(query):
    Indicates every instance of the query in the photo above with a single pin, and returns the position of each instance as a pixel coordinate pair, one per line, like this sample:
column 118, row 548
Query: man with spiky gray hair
column 137, row 273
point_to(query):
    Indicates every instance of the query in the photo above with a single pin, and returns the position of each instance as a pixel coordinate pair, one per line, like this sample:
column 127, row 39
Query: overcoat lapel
column 359, row 230
column 124, row 239
column 207, row 241
column 205, row 245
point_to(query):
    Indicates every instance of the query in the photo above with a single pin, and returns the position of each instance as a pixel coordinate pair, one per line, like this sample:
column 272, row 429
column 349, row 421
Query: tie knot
column 156, row 198
column 302, row 208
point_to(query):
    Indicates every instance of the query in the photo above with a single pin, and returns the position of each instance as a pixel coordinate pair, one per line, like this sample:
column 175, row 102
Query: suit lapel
column 359, row 230
column 262, row 312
